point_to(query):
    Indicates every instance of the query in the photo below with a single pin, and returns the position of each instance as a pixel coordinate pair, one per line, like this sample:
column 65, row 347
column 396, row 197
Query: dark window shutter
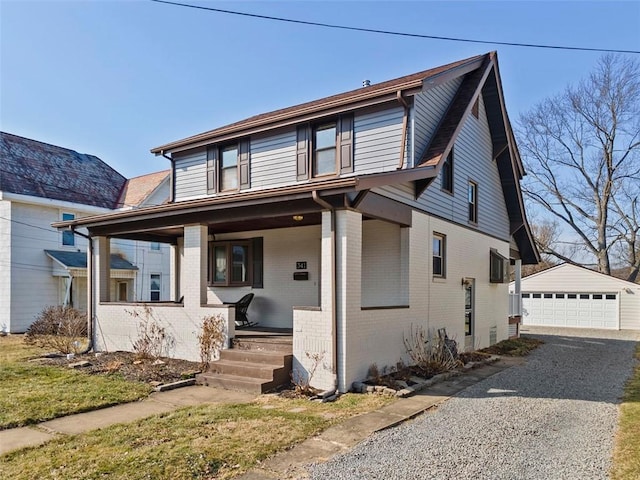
column 212, row 160
column 345, row 143
column 302, row 152
column 243, row 163
column 258, row 272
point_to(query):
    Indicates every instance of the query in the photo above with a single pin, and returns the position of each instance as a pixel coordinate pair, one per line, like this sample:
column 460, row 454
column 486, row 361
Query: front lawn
column 32, row 393
column 209, row 441
column 626, row 456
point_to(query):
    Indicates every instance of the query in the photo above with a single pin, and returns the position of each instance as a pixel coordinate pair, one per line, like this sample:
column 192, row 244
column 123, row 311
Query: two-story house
column 350, row 218
column 40, row 266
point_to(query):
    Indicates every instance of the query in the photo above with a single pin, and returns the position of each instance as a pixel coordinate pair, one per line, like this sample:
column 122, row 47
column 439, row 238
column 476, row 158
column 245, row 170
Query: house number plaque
column 301, row 265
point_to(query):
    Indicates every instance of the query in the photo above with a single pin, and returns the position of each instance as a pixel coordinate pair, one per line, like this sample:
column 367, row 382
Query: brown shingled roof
column 137, row 189
column 29, row 167
column 375, row 90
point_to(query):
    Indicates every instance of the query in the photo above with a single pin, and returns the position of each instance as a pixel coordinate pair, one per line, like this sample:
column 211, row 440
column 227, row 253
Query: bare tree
column 581, row 150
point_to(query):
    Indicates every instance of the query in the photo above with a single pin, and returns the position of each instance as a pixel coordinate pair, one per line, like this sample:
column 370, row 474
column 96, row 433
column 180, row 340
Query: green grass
column 517, row 347
column 210, row 441
column 626, row 455
column 32, row 393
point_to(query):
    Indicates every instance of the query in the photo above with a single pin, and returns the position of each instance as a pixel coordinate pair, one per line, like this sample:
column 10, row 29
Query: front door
column 469, row 302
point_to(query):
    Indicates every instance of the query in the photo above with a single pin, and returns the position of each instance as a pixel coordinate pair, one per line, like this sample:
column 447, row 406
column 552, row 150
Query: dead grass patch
column 517, row 347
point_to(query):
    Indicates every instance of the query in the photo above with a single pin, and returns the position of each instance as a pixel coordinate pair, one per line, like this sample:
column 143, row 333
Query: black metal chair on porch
column 241, row 307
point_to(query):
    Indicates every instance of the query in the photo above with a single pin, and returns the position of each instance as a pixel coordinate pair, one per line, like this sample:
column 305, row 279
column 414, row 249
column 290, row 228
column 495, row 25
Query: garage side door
column 586, row 310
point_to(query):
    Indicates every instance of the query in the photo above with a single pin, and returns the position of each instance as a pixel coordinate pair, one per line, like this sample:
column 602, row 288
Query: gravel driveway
column 552, row 418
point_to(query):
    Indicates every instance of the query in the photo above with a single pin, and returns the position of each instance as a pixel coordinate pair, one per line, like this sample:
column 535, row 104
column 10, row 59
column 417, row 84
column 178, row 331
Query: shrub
column 432, row 354
column 211, row 338
column 302, row 379
column 61, row 328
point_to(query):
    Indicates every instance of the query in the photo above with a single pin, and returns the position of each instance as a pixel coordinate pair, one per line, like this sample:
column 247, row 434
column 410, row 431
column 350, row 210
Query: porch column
column 349, row 292
column 174, row 273
column 103, row 263
column 194, row 288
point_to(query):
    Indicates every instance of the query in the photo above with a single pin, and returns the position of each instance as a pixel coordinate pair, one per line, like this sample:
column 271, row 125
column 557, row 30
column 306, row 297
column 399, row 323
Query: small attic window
column 475, row 110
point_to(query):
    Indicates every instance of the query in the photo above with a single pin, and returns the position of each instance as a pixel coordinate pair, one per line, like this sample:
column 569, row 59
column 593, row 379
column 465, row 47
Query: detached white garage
column 570, row 296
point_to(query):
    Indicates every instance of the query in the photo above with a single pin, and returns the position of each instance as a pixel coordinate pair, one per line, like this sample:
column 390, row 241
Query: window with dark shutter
column 235, row 263
column 212, row 160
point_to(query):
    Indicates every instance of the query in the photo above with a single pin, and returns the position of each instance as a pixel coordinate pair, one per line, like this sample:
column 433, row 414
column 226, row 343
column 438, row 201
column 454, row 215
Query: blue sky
column 116, row 78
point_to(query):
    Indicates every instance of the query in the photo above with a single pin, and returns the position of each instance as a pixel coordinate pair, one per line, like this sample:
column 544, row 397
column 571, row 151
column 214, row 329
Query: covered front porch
column 310, row 267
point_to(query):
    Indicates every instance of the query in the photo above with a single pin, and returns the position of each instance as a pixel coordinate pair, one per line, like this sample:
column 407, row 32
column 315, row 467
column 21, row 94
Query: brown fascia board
column 362, row 97
column 271, row 195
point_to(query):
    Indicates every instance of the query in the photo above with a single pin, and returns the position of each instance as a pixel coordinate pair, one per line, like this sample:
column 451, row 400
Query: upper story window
column 68, row 238
column 472, row 199
column 439, row 258
column 155, row 246
column 324, row 149
column 447, row 173
column 228, row 167
column 475, row 109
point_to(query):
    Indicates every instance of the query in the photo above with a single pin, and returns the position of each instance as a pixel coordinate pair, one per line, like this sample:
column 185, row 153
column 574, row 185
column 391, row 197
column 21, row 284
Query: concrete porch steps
column 255, row 364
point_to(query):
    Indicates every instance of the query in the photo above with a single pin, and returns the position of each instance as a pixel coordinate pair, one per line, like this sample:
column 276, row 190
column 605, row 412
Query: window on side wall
column 439, row 255
column 155, row 285
column 472, row 200
column 155, row 246
column 68, row 237
column 497, row 267
column 235, row 263
column 447, row 173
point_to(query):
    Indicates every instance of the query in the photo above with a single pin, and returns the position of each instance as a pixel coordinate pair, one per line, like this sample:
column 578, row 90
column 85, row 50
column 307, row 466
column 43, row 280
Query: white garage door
column 589, row 310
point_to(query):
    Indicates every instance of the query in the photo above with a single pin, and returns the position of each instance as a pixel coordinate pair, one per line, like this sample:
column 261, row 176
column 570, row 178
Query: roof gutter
column 334, row 290
column 172, row 175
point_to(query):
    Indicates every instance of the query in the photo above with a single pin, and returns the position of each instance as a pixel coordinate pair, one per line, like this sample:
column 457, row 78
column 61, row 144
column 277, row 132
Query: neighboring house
column 40, row 266
column 353, row 219
column 570, row 296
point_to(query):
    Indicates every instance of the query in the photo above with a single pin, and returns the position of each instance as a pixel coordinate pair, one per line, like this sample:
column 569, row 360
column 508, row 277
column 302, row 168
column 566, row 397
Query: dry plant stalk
column 153, row 341
column 302, row 381
column 211, row 338
column 432, row 354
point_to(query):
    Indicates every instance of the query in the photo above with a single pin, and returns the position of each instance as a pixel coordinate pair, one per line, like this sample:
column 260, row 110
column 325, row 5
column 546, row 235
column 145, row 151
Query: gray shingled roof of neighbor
column 29, row 167
column 71, row 259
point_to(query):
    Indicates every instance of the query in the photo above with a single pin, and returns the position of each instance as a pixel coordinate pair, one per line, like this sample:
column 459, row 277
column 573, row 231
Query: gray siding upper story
column 376, row 149
column 430, row 106
column 473, row 161
column 191, row 175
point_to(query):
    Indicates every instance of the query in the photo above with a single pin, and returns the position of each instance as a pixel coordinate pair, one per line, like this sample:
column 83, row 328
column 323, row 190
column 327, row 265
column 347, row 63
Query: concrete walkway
column 289, row 464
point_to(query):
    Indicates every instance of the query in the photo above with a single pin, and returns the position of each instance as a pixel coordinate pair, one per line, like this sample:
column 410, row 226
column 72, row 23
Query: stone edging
column 419, row 383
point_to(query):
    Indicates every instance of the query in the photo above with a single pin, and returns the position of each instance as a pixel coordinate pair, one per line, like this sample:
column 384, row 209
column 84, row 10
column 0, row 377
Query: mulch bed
column 148, row 370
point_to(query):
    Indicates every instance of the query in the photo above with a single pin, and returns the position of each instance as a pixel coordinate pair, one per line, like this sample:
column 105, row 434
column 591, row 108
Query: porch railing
column 515, row 304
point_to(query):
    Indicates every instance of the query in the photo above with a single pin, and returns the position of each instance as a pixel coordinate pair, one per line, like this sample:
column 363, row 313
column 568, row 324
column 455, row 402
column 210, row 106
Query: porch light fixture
column 298, row 218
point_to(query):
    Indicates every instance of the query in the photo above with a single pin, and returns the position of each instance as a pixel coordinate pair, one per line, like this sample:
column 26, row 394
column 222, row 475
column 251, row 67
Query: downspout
column 172, row 174
column 405, row 121
column 89, row 290
column 334, row 291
